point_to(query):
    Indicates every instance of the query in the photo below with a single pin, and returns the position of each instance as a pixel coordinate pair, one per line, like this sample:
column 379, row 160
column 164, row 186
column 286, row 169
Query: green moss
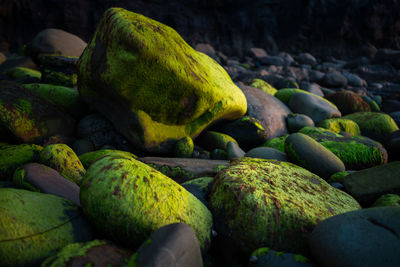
column 131, row 57
column 387, row 200
column 22, row 73
column 14, row 156
column 139, row 199
column 301, row 258
column 277, row 142
column 211, row 140
column 264, row 86
column 260, row 252
column 203, row 183
column 63, row 159
column 184, row 148
column 88, row 158
column 258, row 202
column 175, row 173
column 60, row 78
column 372, row 104
column 284, row 95
column 220, row 168
column 337, row 177
column 338, row 125
column 71, row 251
column 19, row 180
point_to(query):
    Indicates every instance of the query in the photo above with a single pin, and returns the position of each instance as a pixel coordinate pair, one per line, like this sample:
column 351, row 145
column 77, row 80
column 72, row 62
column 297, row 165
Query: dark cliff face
column 324, row 27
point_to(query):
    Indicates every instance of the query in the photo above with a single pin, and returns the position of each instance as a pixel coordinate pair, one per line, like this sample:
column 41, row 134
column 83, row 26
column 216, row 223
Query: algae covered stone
column 338, row 125
column 63, row 159
column 257, row 202
column 34, row 226
column 88, row 158
column 141, row 70
column 127, row 200
column 263, row 85
column 14, row 156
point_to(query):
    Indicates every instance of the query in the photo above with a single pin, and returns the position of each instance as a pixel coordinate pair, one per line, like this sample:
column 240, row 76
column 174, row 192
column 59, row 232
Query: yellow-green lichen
column 277, row 142
column 257, row 202
column 63, row 159
column 258, row 253
column 127, row 200
column 177, row 173
column 19, row 180
column 203, row 183
column 264, row 86
column 337, row 177
column 88, row 158
column 301, row 258
column 338, row 125
column 387, row 200
column 285, row 94
column 170, row 90
column 22, row 73
column 184, row 148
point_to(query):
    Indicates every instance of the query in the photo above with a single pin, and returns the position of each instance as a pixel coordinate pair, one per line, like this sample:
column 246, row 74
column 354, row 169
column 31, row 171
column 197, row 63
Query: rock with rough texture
column 184, row 148
column 316, row 107
column 34, row 226
column 356, row 152
column 339, row 125
column 378, row 126
column 141, row 70
column 88, row 158
column 171, row 245
column 139, row 199
column 311, row 155
column 56, row 41
column 94, row 253
column 40, row 178
column 259, row 202
column 387, row 200
column 369, row 184
column 64, row 160
column 368, row 237
column 297, row 121
column 268, row 110
column 29, row 117
column 59, row 70
column 348, row 102
column 14, row 156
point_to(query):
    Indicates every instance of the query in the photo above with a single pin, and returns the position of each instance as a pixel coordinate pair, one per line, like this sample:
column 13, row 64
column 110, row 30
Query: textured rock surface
column 163, row 96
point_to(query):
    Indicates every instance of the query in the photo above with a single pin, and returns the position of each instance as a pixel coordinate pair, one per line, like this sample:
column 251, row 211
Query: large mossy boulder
column 128, row 200
column 30, row 118
column 258, row 202
column 34, row 226
column 356, row 152
column 143, row 71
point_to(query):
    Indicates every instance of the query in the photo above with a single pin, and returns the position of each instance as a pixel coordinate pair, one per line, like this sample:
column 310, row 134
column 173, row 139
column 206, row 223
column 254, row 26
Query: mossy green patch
column 184, row 148
column 127, row 200
column 277, row 142
column 387, row 200
column 285, row 94
column 338, row 125
column 356, row 152
column 63, row 159
column 258, row 202
column 301, row 258
column 211, row 140
column 22, row 73
column 264, row 86
column 203, row 182
column 372, row 104
column 14, row 156
column 337, row 177
column 19, row 180
column 88, row 158
column 260, row 252
column 62, row 258
column 177, row 173
column 59, row 70
column 146, row 72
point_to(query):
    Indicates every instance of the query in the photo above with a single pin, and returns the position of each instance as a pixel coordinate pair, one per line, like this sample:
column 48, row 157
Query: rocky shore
column 137, row 149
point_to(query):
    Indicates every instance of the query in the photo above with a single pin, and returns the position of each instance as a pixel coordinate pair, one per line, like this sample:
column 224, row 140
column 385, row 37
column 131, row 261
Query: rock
column 23, row 75
column 2, row 58
column 297, row 121
column 35, row 226
column 393, row 146
column 40, row 178
column 372, row 103
column 56, row 41
column 316, row 76
column 211, row 140
column 338, row 177
column 29, row 117
column 378, row 126
column 396, row 117
column 273, row 60
column 334, row 79
column 391, row 105
column 388, row 56
column 267, row 257
column 82, row 146
column 277, row 204
column 234, row 151
column 171, row 245
column 197, row 91
column 64, row 160
column 348, row 102
column 182, row 170
column 317, row 108
column 356, row 152
column 59, row 70
column 339, row 125
column 369, row 184
column 387, row 200
column 263, row 85
column 184, row 148
column 277, row 142
column 200, row 188
column 307, row 58
column 367, row 237
column 88, row 158
column 268, row 110
column 150, row 201
column 266, row 153
column 219, row 154
column 354, row 80
column 206, row 49
column 311, row 155
column 247, row 131
column 18, row 61
column 96, row 253
column 312, row 88
column 63, row 97
column 14, row 156
column 257, row 53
